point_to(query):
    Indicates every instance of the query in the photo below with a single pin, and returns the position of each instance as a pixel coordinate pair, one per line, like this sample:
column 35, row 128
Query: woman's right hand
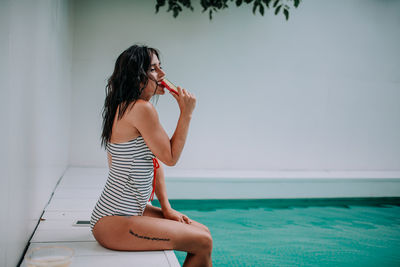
column 186, row 101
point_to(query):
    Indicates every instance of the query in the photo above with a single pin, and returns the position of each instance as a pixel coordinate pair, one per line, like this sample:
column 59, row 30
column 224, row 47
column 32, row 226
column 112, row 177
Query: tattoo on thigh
column 148, row 238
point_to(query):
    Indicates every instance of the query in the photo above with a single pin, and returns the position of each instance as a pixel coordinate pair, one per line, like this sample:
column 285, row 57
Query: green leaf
column 266, row 2
column 286, row 13
column 176, row 10
column 204, row 4
column 187, row 4
column 255, row 7
column 277, row 9
column 261, row 9
column 239, row 2
column 213, row 6
column 159, row 4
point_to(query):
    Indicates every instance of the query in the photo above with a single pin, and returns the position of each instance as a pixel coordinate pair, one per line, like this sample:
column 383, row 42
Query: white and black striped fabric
column 129, row 182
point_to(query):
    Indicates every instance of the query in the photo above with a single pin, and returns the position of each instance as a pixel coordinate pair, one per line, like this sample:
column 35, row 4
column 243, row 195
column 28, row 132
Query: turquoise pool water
column 312, row 232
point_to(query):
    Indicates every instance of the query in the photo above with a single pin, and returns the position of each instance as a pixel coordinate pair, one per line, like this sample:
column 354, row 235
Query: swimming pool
column 299, row 232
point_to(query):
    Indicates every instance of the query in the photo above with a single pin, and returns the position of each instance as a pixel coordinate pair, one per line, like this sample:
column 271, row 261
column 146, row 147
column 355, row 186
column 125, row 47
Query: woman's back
column 129, row 182
column 123, row 129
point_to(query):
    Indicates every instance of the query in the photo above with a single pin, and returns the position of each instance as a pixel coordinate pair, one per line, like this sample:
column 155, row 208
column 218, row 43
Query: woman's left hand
column 174, row 215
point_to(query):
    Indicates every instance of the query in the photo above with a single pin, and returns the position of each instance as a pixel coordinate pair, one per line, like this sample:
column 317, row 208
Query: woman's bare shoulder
column 143, row 104
column 142, row 109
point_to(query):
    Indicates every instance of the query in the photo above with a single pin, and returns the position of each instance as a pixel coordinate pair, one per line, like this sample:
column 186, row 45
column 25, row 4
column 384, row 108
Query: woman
column 135, row 139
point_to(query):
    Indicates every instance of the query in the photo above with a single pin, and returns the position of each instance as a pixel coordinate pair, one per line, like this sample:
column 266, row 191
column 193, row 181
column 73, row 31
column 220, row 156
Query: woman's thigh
column 149, row 233
column 156, row 212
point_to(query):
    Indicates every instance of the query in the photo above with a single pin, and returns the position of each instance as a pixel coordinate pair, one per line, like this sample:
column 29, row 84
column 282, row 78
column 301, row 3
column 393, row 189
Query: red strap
column 155, row 166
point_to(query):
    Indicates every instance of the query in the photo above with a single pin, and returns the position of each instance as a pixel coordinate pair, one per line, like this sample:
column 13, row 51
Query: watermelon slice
column 169, row 86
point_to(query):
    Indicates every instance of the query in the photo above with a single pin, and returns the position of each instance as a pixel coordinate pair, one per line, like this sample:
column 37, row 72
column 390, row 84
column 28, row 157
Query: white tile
column 172, row 259
column 62, row 225
column 80, row 248
column 71, row 205
column 77, row 193
column 92, row 254
column 67, row 215
column 81, row 234
column 62, row 231
column 84, row 178
column 121, row 260
column 83, row 181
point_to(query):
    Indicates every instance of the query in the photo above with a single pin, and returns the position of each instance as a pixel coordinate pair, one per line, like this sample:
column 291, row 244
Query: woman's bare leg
column 190, row 260
column 139, row 233
column 156, row 212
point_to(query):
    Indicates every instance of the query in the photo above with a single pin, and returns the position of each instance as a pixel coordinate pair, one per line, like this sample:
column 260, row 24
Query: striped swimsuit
column 129, row 182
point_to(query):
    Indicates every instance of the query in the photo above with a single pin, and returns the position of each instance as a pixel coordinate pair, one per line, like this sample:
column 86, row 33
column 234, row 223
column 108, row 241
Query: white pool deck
column 74, row 199
column 79, row 189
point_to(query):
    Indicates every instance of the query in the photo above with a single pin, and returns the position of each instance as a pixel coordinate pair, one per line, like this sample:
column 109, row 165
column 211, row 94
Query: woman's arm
column 145, row 119
column 161, row 192
column 161, row 189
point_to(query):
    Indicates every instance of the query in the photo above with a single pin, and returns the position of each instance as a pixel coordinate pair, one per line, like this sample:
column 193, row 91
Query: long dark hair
column 125, row 85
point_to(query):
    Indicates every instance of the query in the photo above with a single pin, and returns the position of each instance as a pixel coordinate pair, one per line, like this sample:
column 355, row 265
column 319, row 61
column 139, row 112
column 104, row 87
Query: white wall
column 318, row 92
column 35, row 69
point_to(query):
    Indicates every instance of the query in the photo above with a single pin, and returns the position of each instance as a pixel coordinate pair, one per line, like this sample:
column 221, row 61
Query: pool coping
column 274, row 184
column 281, row 184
